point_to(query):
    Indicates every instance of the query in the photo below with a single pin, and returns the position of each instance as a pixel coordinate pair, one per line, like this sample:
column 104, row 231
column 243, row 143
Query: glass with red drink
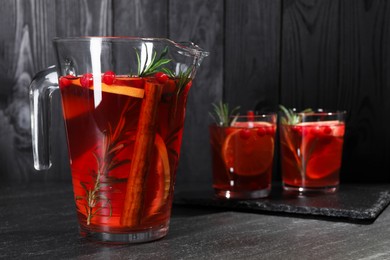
column 242, row 156
column 311, row 150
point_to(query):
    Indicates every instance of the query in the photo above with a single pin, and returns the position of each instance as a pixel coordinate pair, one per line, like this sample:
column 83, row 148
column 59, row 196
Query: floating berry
column 327, row 130
column 87, row 80
column 316, row 131
column 271, row 130
column 64, row 82
column 297, row 129
column 245, row 133
column 251, row 116
column 161, row 77
column 261, row 131
column 108, row 77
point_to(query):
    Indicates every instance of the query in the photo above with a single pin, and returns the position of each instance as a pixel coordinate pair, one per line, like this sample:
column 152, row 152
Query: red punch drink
column 123, row 102
column 311, row 152
column 101, row 139
column 242, row 155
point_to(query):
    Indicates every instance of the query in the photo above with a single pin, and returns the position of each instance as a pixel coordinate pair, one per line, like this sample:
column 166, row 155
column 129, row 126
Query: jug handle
column 41, row 91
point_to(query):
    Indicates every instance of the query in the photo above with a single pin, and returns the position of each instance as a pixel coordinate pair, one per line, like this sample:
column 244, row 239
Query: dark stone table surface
column 38, row 221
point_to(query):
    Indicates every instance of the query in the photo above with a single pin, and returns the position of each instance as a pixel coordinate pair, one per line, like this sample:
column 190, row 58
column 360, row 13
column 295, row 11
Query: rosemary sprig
column 183, row 78
column 111, row 146
column 154, row 65
column 93, row 198
column 222, row 116
column 300, row 158
column 157, row 65
column 291, row 117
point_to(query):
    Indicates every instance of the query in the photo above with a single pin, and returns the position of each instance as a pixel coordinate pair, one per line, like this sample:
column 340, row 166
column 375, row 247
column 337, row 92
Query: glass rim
column 187, row 46
column 261, row 115
column 321, row 112
column 324, row 113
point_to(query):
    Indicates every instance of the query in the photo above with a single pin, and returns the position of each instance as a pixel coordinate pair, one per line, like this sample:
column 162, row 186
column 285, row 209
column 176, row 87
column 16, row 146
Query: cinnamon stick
column 143, row 147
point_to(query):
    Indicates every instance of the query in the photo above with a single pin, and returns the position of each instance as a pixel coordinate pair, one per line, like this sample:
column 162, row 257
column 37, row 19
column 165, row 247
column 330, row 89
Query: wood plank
column 252, row 54
column 83, row 17
column 27, row 30
column 310, row 54
column 146, row 18
column 199, row 21
column 335, row 55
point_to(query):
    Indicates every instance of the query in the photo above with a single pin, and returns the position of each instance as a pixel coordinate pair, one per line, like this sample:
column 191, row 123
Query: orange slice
column 327, row 161
column 166, row 176
column 322, row 146
column 75, row 105
column 245, row 152
column 123, row 90
column 159, row 180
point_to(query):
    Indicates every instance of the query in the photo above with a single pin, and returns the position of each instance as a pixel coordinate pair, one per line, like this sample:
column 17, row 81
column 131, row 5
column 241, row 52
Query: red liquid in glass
column 311, row 154
column 242, row 158
column 101, row 134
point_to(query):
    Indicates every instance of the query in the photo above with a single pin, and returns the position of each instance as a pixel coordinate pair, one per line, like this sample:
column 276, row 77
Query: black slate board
column 352, row 202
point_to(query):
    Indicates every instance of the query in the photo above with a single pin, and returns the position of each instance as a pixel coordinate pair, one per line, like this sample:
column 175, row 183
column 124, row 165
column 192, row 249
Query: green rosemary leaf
column 116, row 148
column 307, row 110
column 84, row 186
column 213, row 117
column 184, row 79
column 154, row 65
column 234, row 119
column 164, row 53
column 290, row 117
column 222, row 115
column 117, row 164
column 168, row 72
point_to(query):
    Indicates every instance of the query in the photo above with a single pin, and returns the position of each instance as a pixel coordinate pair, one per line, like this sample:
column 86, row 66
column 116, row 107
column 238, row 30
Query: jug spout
column 195, row 51
column 181, row 59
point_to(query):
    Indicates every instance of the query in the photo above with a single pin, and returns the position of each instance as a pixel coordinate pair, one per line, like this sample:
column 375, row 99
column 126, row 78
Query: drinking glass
column 311, row 150
column 242, row 156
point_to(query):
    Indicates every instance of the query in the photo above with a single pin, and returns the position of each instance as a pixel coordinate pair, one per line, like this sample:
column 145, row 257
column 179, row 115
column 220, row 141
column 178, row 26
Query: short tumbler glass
column 242, row 156
column 311, row 151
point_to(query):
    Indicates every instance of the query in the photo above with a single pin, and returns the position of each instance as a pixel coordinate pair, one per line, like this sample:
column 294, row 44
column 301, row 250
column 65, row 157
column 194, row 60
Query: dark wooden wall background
column 301, row 53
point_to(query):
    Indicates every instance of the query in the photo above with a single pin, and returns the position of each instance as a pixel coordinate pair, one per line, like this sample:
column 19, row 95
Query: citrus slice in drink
column 326, row 153
column 159, row 180
column 325, row 163
column 78, row 100
column 245, row 152
column 123, row 90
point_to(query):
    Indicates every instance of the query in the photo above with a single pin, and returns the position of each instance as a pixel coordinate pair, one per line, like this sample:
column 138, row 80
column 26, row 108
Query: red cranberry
column 261, row 131
column 64, row 82
column 251, row 116
column 161, row 77
column 327, row 130
column 108, row 77
column 245, row 133
column 297, row 129
column 316, row 131
column 87, row 80
column 271, row 130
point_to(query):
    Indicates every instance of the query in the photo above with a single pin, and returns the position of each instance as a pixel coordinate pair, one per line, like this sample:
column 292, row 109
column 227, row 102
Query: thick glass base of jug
column 141, row 236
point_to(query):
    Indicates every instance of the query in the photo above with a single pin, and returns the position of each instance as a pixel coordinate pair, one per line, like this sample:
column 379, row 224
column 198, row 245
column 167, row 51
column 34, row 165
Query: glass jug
column 123, row 102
